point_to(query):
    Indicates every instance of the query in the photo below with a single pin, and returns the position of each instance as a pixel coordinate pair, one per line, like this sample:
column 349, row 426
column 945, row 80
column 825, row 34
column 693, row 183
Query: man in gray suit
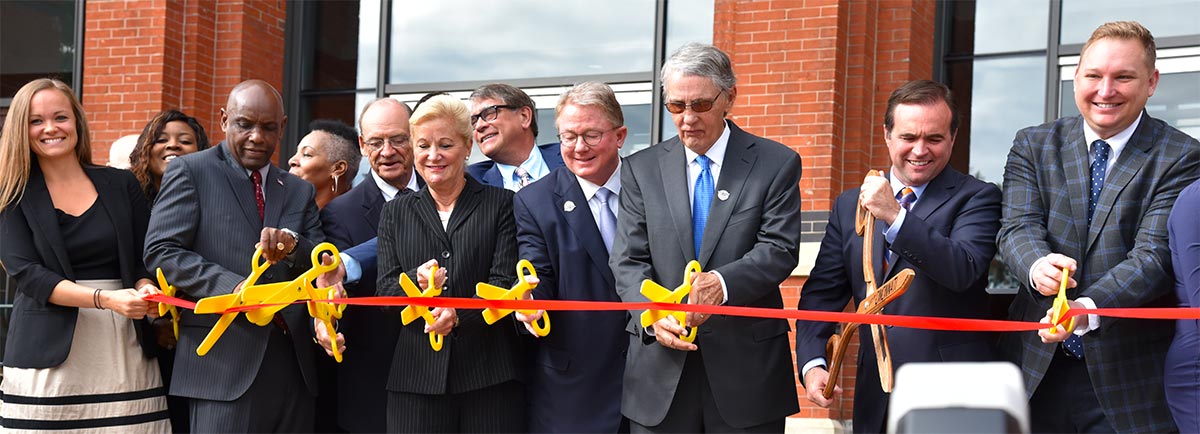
column 730, row 200
column 214, row 206
column 1091, row 194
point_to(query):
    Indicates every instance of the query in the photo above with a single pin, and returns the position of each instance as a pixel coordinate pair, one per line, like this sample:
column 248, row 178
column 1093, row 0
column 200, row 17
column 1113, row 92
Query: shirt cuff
column 353, row 269
column 1093, row 319
column 890, row 233
column 724, row 289
column 1033, row 267
column 819, row 361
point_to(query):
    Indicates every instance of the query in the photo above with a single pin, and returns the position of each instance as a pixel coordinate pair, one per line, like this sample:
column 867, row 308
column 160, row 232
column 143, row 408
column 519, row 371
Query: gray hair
column 701, row 60
column 594, row 94
column 343, row 143
column 510, row 95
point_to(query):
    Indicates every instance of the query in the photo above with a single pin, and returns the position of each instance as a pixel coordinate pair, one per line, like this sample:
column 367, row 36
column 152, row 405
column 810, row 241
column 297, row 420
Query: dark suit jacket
column 479, row 245
column 348, row 220
column 202, row 233
column 1123, row 258
column 752, row 239
column 576, row 381
column 34, row 254
column 948, row 239
column 487, row 173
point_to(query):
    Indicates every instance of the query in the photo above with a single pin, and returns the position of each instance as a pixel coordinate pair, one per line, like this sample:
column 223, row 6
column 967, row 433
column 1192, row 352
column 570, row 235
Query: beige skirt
column 106, row 384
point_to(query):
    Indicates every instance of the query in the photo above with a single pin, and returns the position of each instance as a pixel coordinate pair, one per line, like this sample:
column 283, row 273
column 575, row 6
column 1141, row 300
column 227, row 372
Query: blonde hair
column 593, row 94
column 16, row 148
column 445, row 106
column 1125, row 30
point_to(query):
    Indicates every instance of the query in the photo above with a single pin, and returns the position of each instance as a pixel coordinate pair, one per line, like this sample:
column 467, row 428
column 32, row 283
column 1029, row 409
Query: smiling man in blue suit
column 504, row 119
column 565, row 227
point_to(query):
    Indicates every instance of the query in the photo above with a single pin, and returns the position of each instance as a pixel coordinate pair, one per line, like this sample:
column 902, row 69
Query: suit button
column 446, row 254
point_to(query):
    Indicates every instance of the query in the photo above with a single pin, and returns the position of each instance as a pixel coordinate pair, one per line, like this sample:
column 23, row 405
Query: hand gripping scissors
column 541, row 327
column 660, row 294
column 411, row 313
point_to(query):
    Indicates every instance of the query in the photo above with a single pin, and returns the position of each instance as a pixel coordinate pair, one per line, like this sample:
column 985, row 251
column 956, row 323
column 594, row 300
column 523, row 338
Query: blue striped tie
column 702, row 199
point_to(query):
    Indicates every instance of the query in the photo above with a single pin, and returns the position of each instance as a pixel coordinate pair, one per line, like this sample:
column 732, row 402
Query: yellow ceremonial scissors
column 660, row 294
column 163, row 308
column 1060, row 304
column 221, row 303
column 486, row 291
column 411, row 313
column 279, row 295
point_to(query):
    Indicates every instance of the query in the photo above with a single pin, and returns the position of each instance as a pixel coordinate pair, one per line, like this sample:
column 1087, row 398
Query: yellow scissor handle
column 1060, row 304
column 411, row 313
column 541, row 327
column 660, row 294
column 163, row 308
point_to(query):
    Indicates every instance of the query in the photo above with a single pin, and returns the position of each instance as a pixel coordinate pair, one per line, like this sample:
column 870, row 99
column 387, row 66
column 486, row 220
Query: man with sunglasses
column 730, row 200
column 504, row 119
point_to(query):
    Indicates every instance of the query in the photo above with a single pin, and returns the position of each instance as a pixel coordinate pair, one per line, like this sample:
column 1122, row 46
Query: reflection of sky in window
column 1162, row 17
column 1176, row 101
column 1010, row 25
column 458, row 40
column 368, row 43
column 1007, row 94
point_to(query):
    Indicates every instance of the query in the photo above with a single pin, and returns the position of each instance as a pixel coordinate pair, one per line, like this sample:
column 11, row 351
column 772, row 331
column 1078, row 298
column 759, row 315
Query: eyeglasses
column 698, row 106
column 396, row 142
column 590, row 137
column 489, row 114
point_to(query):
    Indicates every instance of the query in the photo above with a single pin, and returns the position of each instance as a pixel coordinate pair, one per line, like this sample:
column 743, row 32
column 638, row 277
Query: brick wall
column 142, row 57
column 815, row 75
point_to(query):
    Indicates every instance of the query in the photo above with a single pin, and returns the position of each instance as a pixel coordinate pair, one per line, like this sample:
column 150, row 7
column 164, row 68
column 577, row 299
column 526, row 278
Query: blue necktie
column 906, row 196
column 1074, row 344
column 701, row 200
column 608, row 220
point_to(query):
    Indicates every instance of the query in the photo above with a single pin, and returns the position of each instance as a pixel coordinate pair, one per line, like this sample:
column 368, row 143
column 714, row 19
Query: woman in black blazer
column 72, row 240
column 467, row 230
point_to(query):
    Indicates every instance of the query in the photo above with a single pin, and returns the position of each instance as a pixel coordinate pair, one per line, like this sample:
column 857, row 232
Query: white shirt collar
column 716, row 153
column 613, row 184
column 389, row 191
column 1116, row 143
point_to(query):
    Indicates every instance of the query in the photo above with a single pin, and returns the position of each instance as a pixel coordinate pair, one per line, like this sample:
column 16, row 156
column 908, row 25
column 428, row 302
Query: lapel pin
column 568, row 206
column 723, row 195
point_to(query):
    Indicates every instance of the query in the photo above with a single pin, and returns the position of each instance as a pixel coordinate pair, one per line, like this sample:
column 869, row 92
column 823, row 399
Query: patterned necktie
column 522, row 177
column 256, row 177
column 608, row 220
column 906, row 196
column 701, row 200
column 1074, row 343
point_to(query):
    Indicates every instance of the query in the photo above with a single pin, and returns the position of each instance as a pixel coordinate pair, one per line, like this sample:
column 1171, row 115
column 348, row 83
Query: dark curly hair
column 139, row 158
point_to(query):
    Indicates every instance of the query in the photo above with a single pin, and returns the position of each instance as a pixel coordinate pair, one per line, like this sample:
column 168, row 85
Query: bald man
column 215, row 205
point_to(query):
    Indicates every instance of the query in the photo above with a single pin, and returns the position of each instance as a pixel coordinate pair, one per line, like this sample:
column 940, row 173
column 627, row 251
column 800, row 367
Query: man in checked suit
column 349, row 220
column 565, row 226
column 932, row 219
column 1091, row 194
column 504, row 119
column 731, row 201
column 214, row 206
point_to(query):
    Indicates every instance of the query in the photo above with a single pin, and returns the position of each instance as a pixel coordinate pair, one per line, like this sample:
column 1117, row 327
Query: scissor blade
column 215, row 333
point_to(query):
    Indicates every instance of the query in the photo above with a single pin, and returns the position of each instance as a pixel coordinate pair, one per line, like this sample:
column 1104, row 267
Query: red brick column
column 142, row 57
column 815, row 75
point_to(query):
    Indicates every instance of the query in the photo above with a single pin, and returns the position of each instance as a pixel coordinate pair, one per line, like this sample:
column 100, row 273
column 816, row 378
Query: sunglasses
column 698, row 106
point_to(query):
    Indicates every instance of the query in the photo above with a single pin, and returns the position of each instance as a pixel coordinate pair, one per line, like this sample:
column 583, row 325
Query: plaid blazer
column 1123, row 258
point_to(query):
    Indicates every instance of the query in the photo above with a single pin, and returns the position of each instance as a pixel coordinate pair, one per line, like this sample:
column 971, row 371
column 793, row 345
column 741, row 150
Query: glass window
column 1008, row 93
column 1162, row 17
column 1176, row 101
column 438, row 42
column 368, row 43
column 332, row 59
column 1011, row 25
column 689, row 22
column 37, row 39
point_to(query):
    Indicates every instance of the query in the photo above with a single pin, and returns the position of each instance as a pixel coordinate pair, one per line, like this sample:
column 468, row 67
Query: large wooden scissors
column 876, row 299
